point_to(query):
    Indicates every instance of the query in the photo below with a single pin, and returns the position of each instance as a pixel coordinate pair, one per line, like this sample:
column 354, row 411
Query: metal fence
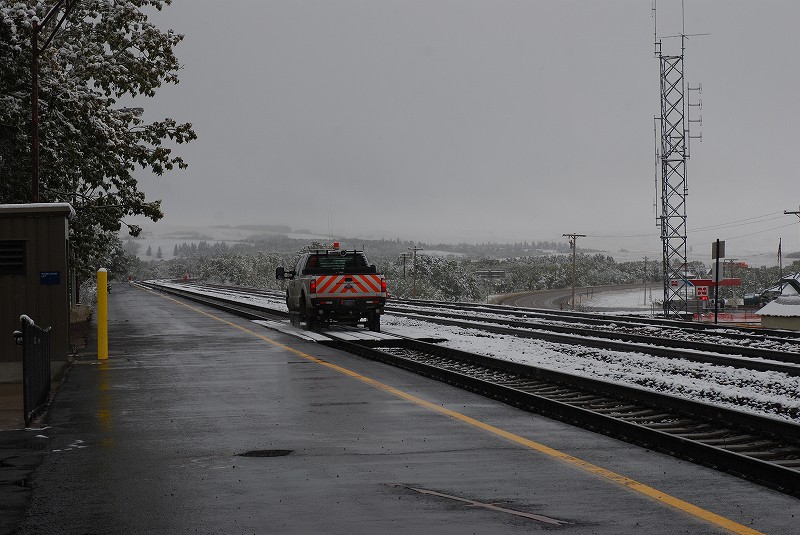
column 35, row 343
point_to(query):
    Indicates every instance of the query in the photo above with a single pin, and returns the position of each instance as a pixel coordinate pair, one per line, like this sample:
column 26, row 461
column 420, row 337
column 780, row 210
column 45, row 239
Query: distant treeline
column 527, row 266
column 202, row 247
column 377, row 250
column 388, row 249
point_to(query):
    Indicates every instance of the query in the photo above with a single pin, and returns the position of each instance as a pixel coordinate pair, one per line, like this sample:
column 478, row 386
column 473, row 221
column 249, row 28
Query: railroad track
column 784, row 340
column 763, row 449
column 726, row 352
column 234, row 306
column 722, row 354
column 688, row 335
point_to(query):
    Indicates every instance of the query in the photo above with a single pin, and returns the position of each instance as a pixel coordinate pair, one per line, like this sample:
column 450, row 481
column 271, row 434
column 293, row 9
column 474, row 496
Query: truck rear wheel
column 374, row 322
column 307, row 316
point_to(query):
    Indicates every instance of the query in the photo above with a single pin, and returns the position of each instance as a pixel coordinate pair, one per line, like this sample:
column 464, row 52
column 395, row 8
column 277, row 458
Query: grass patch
column 80, row 317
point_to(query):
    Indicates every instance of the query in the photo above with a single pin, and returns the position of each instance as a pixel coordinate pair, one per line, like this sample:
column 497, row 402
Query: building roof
column 787, row 306
column 41, row 208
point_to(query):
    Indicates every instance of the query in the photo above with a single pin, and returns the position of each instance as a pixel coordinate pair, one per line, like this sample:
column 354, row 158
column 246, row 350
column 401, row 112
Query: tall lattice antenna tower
column 672, row 151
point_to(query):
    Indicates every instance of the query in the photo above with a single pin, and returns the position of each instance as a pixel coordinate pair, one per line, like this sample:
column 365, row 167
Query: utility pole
column 36, row 28
column 573, row 238
column 786, row 212
column 414, row 267
column 645, row 281
column 404, row 256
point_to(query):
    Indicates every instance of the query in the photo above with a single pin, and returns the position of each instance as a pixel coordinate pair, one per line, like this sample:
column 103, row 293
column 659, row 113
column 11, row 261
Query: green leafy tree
column 90, row 144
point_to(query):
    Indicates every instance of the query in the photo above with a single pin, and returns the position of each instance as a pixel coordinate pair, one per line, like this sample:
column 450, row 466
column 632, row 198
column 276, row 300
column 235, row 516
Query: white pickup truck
column 334, row 284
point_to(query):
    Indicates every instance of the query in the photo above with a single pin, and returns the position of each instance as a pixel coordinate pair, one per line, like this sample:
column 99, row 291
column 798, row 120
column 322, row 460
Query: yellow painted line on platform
column 632, row 484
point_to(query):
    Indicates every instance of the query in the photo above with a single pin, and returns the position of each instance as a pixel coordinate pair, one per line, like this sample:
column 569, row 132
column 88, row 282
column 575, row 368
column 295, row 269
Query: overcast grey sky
column 477, row 120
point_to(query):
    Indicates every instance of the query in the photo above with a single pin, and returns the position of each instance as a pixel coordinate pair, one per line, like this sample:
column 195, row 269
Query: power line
column 750, row 234
column 729, row 224
column 752, row 218
column 735, row 224
column 651, row 235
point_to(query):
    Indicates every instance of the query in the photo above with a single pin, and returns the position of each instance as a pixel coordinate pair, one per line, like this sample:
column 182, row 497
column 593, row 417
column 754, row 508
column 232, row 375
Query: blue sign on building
column 49, row 278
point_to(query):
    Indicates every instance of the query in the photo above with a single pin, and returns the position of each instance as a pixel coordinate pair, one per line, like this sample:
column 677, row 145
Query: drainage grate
column 265, row 453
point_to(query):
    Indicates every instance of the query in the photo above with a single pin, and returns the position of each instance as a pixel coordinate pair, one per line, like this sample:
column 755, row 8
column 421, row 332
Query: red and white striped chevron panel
column 349, row 285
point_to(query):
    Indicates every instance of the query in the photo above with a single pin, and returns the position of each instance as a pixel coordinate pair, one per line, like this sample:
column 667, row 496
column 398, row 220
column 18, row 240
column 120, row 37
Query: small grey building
column 782, row 313
column 34, row 277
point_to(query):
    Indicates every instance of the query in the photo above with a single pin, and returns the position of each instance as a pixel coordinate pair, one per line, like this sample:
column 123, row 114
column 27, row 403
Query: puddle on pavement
column 265, row 453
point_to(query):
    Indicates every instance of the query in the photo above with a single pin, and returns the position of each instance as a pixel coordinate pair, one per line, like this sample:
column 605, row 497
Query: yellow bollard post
column 102, row 314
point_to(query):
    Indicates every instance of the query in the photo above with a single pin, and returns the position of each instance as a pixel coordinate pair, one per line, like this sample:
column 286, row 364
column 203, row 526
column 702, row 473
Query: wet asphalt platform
column 201, row 422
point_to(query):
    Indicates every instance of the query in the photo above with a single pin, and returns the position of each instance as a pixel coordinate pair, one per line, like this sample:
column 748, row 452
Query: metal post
column 414, row 282
column 716, row 285
column 573, row 274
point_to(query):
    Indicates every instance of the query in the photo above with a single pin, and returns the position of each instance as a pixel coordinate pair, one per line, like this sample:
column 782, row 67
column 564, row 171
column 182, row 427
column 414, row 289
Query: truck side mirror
column 280, row 273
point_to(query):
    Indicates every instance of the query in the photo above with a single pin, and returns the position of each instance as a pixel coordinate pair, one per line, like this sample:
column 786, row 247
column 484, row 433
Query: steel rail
column 787, row 363
column 743, row 333
column 772, row 354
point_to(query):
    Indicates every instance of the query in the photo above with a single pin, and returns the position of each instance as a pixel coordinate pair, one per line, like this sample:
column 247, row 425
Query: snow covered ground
column 623, row 300
column 767, row 393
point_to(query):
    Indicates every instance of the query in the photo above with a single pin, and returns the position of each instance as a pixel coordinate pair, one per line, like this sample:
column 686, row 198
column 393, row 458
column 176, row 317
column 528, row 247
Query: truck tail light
column 313, row 287
column 383, row 285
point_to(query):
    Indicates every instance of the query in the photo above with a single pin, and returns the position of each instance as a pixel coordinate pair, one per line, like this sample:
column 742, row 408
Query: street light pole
column 36, row 27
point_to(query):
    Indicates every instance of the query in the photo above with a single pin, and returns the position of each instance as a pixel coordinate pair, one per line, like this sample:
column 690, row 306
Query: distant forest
column 444, row 271
column 377, row 250
column 391, row 249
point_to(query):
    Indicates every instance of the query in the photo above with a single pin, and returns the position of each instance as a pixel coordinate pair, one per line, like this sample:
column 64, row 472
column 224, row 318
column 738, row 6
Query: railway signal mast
column 672, row 151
